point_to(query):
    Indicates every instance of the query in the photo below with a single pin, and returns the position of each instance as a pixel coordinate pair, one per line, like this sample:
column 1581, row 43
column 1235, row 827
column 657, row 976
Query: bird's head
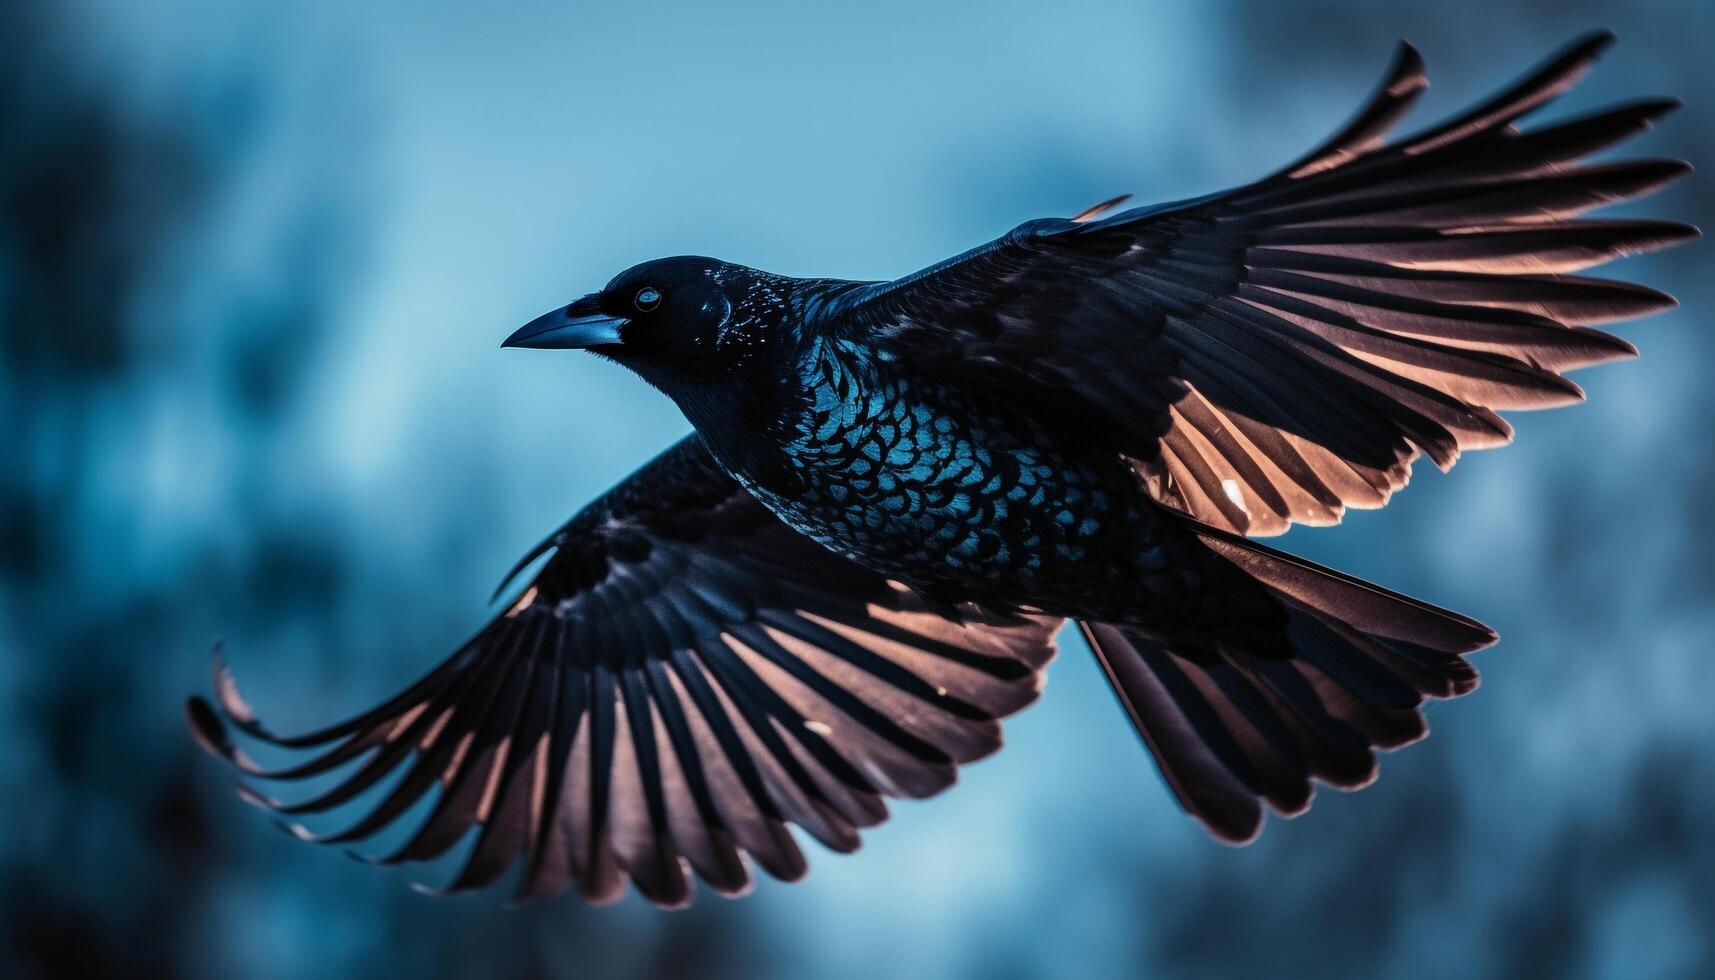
column 679, row 322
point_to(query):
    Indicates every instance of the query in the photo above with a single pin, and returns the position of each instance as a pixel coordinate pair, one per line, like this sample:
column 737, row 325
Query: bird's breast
column 906, row 478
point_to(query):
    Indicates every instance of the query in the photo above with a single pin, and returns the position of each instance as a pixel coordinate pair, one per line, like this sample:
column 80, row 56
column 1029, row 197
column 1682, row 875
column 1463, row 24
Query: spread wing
column 1279, row 352
column 684, row 676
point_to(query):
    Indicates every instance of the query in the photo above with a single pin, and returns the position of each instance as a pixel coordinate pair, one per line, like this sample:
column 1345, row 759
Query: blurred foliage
column 215, row 425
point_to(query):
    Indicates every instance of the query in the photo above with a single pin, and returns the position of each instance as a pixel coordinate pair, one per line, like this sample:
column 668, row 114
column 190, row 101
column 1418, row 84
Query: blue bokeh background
column 255, row 262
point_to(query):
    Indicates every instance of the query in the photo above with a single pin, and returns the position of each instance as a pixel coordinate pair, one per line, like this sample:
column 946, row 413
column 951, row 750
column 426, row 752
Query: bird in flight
column 898, row 492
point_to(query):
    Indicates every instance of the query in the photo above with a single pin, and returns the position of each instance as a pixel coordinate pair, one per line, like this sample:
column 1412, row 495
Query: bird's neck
column 753, row 427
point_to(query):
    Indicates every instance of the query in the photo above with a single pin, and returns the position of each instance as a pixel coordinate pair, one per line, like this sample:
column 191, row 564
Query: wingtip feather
column 208, row 730
column 1408, row 72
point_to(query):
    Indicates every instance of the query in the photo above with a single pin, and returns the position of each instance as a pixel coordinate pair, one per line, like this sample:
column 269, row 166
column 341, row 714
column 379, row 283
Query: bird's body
column 898, row 492
column 949, row 493
column 947, row 490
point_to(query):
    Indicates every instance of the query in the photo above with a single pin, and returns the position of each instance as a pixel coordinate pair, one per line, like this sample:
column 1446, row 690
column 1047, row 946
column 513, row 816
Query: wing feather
column 1279, row 352
column 683, row 677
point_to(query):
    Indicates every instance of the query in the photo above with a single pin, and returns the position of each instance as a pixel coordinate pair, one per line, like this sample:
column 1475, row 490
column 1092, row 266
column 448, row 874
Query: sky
column 255, row 265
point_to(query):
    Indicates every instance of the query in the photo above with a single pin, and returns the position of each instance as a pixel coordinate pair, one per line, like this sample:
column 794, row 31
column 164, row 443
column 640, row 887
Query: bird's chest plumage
column 902, row 475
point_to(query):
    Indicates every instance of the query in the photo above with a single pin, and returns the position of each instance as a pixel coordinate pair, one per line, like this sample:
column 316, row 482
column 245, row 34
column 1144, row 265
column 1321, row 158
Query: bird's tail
column 1236, row 719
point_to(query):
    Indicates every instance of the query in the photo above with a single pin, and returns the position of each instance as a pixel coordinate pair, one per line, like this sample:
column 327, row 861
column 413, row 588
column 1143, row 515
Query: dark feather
column 1340, row 673
column 1282, row 351
column 683, row 676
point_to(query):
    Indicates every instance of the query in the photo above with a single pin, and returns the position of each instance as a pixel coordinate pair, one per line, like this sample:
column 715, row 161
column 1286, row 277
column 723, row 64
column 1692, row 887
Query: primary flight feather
column 897, row 492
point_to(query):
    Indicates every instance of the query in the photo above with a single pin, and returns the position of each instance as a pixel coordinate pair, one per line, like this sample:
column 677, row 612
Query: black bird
column 898, row 491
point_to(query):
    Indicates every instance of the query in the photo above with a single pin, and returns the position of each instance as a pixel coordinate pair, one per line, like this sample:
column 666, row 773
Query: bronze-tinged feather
column 674, row 711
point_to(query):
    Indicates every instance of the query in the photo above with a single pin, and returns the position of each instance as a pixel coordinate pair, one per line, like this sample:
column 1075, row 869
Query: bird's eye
column 647, row 298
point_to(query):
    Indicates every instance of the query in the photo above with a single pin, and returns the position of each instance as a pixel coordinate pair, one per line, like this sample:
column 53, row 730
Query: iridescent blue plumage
column 949, row 493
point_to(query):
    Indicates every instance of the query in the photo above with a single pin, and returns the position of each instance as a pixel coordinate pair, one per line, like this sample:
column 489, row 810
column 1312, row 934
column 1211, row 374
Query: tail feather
column 1237, row 720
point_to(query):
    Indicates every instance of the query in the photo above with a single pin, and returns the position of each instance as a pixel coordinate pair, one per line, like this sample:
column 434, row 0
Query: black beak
column 578, row 326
